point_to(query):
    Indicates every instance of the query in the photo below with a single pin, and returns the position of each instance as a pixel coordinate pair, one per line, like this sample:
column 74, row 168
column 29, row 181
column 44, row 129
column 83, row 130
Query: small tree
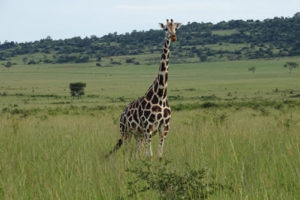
column 252, row 69
column 8, row 64
column 130, row 60
column 291, row 66
column 77, row 89
column 25, row 59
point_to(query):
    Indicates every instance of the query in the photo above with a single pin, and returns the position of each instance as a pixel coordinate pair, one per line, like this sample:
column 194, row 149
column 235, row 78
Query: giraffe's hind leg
column 139, row 145
column 148, row 139
column 163, row 131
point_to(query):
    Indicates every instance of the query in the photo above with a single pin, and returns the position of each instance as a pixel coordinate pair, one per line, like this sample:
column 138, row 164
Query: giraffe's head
column 170, row 29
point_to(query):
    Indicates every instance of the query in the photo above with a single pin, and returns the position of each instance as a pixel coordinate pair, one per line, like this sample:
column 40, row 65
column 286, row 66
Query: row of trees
column 280, row 33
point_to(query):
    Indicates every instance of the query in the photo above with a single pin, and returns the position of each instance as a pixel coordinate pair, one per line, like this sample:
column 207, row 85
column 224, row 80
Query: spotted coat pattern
column 150, row 113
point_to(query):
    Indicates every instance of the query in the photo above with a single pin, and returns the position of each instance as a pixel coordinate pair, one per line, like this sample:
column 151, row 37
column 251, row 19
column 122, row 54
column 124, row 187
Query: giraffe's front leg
column 163, row 131
column 148, row 138
column 139, row 144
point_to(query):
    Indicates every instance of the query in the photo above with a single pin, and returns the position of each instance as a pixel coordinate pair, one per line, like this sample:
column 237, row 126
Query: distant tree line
column 268, row 38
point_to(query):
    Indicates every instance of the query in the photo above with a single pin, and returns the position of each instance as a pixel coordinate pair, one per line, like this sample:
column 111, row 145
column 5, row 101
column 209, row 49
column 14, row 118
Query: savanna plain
column 242, row 127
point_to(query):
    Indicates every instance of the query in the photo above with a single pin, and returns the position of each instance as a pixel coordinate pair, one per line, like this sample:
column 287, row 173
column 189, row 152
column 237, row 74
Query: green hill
column 197, row 42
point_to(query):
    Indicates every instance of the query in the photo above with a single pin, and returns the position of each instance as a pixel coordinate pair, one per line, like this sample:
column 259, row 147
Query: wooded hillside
column 232, row 40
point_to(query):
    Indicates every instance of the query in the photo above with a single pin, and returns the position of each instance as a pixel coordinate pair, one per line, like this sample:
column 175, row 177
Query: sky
column 30, row 20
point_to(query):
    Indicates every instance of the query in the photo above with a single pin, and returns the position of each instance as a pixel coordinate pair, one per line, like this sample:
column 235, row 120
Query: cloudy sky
column 29, row 20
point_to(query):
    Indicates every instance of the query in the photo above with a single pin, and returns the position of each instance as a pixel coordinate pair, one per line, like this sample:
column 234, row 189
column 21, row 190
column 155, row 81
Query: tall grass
column 62, row 157
column 52, row 146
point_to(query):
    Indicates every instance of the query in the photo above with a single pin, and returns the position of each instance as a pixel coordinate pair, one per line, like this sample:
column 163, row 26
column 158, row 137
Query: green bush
column 191, row 184
column 77, row 89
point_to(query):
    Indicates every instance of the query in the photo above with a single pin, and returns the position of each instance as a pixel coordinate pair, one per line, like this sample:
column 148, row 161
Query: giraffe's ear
column 177, row 25
column 161, row 25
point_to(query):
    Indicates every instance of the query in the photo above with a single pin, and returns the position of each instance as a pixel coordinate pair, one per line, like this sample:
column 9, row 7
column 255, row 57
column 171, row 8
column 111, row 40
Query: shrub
column 130, row 60
column 32, row 62
column 77, row 89
column 252, row 69
column 208, row 105
column 3, row 94
column 8, row 64
column 291, row 66
column 192, row 184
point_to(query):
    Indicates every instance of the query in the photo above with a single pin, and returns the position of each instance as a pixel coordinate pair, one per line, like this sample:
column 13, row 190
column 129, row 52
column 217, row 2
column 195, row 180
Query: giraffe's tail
column 117, row 146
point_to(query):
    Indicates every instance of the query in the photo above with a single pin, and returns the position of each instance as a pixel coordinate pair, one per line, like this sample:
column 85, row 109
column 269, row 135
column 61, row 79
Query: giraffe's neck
column 162, row 76
column 159, row 86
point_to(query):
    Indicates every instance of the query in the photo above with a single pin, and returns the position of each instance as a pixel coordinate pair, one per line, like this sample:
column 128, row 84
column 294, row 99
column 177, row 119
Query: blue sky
column 29, row 20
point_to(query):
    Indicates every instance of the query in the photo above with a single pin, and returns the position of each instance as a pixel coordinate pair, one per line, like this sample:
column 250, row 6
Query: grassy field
column 241, row 126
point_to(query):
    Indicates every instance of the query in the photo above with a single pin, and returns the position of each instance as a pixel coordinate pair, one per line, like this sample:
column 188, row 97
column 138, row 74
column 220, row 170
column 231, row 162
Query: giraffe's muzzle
column 173, row 38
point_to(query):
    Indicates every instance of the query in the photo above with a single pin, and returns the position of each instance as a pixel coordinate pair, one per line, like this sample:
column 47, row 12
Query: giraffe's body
column 150, row 113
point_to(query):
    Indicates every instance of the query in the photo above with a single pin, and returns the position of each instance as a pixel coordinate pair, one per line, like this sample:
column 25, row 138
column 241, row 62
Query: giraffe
column 150, row 113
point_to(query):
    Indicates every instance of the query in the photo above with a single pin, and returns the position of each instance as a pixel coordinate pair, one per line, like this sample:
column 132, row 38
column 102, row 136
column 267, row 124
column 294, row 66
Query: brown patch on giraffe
column 149, row 95
column 161, row 79
column 166, row 77
column 154, row 99
column 163, row 56
column 152, row 118
column 159, row 116
column 148, row 106
column 167, row 103
column 167, row 112
column 164, row 104
column 162, row 67
column 156, row 85
column 167, row 62
column 146, row 113
column 160, row 92
column 160, row 103
column 156, row 109
column 133, row 125
column 143, row 118
column 165, row 51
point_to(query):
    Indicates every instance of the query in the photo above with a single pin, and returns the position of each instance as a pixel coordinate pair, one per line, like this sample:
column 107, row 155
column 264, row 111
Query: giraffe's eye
column 166, row 29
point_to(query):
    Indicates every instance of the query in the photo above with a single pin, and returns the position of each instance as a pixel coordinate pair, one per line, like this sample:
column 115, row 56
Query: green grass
column 52, row 146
